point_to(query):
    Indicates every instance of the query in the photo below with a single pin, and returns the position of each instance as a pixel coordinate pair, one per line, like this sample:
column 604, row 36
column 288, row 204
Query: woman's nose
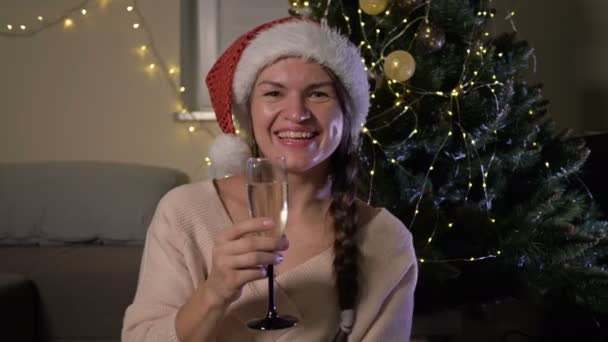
column 296, row 109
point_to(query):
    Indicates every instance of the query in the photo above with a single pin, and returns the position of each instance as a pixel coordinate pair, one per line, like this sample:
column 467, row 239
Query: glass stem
column 272, row 309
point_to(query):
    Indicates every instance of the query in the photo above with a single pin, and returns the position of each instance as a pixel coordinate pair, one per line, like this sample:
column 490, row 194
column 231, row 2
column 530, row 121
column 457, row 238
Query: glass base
column 274, row 323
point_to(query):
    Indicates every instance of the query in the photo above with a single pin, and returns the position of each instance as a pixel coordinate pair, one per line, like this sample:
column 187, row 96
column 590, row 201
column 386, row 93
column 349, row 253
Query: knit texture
column 177, row 259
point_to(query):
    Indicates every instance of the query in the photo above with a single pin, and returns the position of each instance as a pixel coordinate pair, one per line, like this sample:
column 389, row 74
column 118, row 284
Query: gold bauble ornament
column 399, row 66
column 373, row 7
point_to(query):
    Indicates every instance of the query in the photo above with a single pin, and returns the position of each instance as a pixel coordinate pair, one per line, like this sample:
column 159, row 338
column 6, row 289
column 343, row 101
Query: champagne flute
column 267, row 197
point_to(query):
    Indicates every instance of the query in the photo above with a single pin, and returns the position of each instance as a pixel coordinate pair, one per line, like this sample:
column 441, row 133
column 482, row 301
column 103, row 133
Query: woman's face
column 296, row 113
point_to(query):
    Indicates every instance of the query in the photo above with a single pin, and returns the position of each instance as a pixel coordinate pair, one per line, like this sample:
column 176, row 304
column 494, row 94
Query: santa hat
column 232, row 77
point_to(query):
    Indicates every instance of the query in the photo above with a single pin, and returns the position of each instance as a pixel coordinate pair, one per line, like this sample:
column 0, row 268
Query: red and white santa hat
column 232, row 77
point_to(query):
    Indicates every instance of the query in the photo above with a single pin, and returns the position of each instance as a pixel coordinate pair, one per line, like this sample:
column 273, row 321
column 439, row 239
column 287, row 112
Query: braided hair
column 344, row 168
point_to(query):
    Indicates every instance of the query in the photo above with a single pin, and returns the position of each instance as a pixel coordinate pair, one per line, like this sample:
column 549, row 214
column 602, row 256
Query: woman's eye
column 319, row 94
column 273, row 93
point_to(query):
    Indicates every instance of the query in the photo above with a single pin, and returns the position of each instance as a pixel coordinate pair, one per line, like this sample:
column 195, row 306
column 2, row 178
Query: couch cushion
column 80, row 201
column 18, row 320
column 84, row 290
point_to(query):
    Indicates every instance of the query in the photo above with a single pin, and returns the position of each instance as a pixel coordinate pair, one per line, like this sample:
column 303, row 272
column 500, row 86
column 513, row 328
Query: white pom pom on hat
column 231, row 78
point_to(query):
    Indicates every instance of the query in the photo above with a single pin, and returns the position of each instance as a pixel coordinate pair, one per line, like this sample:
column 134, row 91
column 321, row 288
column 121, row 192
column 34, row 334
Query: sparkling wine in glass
column 267, row 197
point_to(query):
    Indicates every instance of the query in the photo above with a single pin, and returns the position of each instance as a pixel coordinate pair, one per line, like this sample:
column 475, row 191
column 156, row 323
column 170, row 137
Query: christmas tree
column 463, row 151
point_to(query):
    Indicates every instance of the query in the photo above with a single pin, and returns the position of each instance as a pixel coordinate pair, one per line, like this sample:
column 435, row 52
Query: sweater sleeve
column 163, row 285
column 386, row 307
column 394, row 321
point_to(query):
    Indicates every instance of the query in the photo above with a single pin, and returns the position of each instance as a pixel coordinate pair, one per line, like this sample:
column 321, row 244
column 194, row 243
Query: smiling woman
column 296, row 89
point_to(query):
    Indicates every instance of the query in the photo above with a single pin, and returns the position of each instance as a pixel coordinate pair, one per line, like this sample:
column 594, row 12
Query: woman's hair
column 343, row 170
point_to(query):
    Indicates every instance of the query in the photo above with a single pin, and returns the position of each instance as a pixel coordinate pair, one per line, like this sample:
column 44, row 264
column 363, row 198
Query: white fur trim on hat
column 309, row 40
column 228, row 154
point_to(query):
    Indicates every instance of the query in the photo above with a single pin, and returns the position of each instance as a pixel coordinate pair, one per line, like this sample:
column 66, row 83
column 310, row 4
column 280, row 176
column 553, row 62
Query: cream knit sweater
column 177, row 258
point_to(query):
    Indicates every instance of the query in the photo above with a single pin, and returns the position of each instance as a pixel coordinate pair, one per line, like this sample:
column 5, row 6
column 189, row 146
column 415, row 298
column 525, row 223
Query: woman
column 347, row 271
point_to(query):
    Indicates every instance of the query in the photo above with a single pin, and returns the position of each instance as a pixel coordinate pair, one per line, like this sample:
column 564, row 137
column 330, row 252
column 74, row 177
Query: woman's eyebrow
column 320, row 84
column 271, row 83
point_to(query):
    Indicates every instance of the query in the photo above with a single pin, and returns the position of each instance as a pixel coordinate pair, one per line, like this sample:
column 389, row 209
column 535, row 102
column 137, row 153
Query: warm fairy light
column 470, row 185
column 83, row 11
column 365, row 130
column 346, row 18
column 498, row 252
column 191, row 129
column 484, row 185
column 359, row 11
column 440, row 93
column 450, row 225
column 393, row 161
column 531, row 112
column 464, row 135
column 152, row 66
column 371, row 172
column 449, row 133
column 375, row 142
column 67, row 23
column 143, row 48
column 454, row 92
column 468, row 51
column 421, row 260
column 237, row 132
column 405, row 21
column 23, row 27
column 129, row 8
column 9, row 27
column 493, row 220
column 534, row 143
column 414, row 131
column 472, row 141
column 378, row 31
column 431, row 168
column 487, row 34
column 417, row 212
column 450, row 113
column 172, row 71
column 547, row 164
column 136, row 25
column 472, row 259
column 373, row 96
column 182, row 89
column 388, row 12
column 362, row 24
column 40, row 18
column 430, row 239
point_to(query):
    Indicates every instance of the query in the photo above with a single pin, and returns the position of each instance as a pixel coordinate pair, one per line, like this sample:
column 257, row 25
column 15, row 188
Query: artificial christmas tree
column 463, row 151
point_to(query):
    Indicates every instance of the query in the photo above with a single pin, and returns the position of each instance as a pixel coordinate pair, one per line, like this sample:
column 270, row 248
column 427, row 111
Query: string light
column 129, row 8
column 191, row 129
column 136, row 26
column 40, row 18
column 68, row 23
column 182, row 89
column 83, row 11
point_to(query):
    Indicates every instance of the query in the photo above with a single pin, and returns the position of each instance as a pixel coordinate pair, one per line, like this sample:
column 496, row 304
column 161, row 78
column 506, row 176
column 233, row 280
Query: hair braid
column 346, row 220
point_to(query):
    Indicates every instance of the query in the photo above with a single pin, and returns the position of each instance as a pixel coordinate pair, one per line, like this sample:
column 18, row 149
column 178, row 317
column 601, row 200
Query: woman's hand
column 239, row 256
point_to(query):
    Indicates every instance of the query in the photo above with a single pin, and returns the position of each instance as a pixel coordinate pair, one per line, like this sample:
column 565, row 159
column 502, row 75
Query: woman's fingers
column 250, row 226
column 255, row 259
column 253, row 244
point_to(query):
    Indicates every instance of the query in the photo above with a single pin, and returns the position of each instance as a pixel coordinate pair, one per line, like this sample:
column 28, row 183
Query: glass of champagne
column 267, row 197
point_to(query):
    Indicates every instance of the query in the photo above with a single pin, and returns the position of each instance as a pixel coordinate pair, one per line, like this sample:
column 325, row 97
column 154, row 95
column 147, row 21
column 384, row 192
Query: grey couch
column 71, row 238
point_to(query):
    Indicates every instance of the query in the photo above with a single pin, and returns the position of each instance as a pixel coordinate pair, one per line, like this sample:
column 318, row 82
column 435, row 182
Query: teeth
column 295, row 135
